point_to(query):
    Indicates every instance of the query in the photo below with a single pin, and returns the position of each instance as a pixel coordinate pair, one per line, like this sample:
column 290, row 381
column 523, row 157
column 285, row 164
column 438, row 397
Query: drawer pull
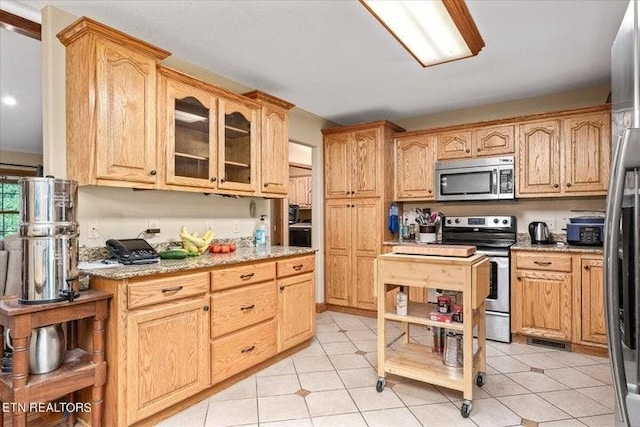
column 247, row 276
column 172, row 290
column 519, row 277
column 247, row 307
column 586, row 267
column 297, row 267
column 248, row 349
column 543, row 262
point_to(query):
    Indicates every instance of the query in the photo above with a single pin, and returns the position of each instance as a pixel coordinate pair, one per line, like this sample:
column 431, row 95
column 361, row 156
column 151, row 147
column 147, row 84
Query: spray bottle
column 261, row 233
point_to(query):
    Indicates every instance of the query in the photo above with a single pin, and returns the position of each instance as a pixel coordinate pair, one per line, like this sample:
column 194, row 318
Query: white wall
column 300, row 154
column 555, row 210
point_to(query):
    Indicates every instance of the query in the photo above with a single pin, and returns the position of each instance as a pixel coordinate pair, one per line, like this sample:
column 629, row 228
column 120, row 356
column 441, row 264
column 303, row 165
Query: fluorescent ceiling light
column 9, row 100
column 183, row 116
column 433, row 31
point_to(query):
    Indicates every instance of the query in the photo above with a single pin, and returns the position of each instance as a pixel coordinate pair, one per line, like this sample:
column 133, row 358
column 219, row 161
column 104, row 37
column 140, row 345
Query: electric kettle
column 539, row 232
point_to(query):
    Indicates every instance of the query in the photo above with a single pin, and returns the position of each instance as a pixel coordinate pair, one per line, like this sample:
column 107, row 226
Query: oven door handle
column 494, row 179
column 494, row 252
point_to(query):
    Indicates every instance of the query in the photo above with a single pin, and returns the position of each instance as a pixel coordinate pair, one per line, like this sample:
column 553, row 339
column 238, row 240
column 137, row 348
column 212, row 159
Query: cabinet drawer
column 238, row 308
column 300, row 265
column 242, row 275
column 154, row 291
column 241, row 350
column 539, row 261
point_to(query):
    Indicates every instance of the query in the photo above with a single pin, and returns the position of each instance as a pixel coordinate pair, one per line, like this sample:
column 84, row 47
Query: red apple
column 224, row 249
column 232, row 247
column 214, row 249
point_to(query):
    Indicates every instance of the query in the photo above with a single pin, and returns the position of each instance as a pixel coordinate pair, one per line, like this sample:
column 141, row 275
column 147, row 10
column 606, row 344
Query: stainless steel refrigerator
column 622, row 229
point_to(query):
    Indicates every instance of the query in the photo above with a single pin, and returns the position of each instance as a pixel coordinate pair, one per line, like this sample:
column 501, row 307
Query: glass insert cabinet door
column 238, row 145
column 191, row 136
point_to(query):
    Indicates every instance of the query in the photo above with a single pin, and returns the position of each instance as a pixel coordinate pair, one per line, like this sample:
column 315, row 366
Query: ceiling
column 333, row 59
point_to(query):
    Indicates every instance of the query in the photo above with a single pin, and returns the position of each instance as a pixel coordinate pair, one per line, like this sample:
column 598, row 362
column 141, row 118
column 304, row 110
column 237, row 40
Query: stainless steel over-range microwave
column 490, row 178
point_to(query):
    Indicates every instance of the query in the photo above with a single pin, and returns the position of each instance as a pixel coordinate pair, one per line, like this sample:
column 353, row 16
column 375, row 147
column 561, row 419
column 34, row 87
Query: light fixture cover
column 433, row 31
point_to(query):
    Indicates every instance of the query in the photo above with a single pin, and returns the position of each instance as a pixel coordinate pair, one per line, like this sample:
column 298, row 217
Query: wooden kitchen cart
column 80, row 368
column 469, row 275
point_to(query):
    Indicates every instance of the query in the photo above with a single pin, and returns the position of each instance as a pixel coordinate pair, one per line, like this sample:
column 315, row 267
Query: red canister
column 444, row 303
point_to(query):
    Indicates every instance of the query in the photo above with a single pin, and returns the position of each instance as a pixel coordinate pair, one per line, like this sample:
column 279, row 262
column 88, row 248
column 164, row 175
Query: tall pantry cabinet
column 358, row 183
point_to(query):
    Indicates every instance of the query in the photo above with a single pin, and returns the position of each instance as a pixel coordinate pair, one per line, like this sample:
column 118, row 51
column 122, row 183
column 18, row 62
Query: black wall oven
column 300, row 235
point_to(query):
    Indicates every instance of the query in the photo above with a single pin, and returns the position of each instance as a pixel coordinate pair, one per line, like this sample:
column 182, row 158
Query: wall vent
column 541, row 342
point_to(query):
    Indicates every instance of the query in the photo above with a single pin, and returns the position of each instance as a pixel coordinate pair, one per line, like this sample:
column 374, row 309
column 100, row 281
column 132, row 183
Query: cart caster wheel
column 465, row 410
column 380, row 385
column 480, row 379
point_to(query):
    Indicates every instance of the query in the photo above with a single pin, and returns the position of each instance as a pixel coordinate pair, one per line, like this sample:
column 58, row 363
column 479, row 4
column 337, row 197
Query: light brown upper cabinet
column 454, row 145
column 539, row 159
column 587, row 153
column 353, row 160
column 111, row 106
column 415, row 167
column 493, row 140
column 208, row 137
column 274, row 146
column 568, row 156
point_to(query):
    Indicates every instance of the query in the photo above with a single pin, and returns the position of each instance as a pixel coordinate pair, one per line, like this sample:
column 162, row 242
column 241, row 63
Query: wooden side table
column 80, row 369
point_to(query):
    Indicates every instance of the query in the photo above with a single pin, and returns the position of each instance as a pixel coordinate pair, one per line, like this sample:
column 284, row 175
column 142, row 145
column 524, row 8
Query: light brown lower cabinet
column 167, row 356
column 174, row 335
column 296, row 322
column 558, row 296
column 594, row 328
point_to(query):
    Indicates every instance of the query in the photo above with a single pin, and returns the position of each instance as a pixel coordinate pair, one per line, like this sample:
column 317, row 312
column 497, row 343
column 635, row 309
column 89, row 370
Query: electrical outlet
column 153, row 224
column 92, row 231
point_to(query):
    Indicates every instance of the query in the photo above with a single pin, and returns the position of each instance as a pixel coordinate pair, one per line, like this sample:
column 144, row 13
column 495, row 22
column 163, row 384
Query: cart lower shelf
column 418, row 362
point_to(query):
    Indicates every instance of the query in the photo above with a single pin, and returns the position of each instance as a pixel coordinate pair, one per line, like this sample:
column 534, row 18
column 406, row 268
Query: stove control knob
column 448, row 221
column 495, row 220
column 504, row 221
column 457, row 220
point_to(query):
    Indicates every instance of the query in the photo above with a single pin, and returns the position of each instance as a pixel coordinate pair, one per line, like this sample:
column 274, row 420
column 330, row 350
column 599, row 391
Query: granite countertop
column 556, row 247
column 524, row 244
column 205, row 260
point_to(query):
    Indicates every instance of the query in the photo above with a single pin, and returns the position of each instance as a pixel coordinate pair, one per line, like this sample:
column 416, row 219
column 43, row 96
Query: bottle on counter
column 261, row 233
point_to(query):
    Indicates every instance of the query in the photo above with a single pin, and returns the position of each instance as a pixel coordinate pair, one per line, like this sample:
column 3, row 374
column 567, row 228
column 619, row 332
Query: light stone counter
column 206, row 260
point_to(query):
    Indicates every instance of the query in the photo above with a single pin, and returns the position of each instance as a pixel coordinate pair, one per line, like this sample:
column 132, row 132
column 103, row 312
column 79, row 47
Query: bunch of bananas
column 193, row 244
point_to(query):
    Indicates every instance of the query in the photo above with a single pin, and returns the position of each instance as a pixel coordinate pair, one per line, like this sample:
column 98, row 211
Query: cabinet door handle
column 479, row 149
column 248, row 349
column 542, row 262
column 568, row 184
column 467, row 151
column 297, row 267
column 153, row 173
column 214, row 179
column 519, row 277
column 347, row 192
column 266, row 184
column 247, row 307
column 247, row 276
column 555, row 185
column 171, row 290
column 353, row 192
column 205, row 308
column 430, row 191
column 223, row 179
column 586, row 267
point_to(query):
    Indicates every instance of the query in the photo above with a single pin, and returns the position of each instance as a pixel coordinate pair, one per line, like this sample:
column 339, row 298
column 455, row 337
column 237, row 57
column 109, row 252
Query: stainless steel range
column 492, row 235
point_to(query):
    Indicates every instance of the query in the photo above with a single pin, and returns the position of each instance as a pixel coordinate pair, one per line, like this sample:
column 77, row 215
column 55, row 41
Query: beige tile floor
column 332, row 384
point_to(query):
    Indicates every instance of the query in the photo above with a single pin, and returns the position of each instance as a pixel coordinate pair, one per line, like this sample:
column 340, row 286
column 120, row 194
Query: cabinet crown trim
column 361, row 126
column 270, row 99
column 85, row 25
column 505, row 121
